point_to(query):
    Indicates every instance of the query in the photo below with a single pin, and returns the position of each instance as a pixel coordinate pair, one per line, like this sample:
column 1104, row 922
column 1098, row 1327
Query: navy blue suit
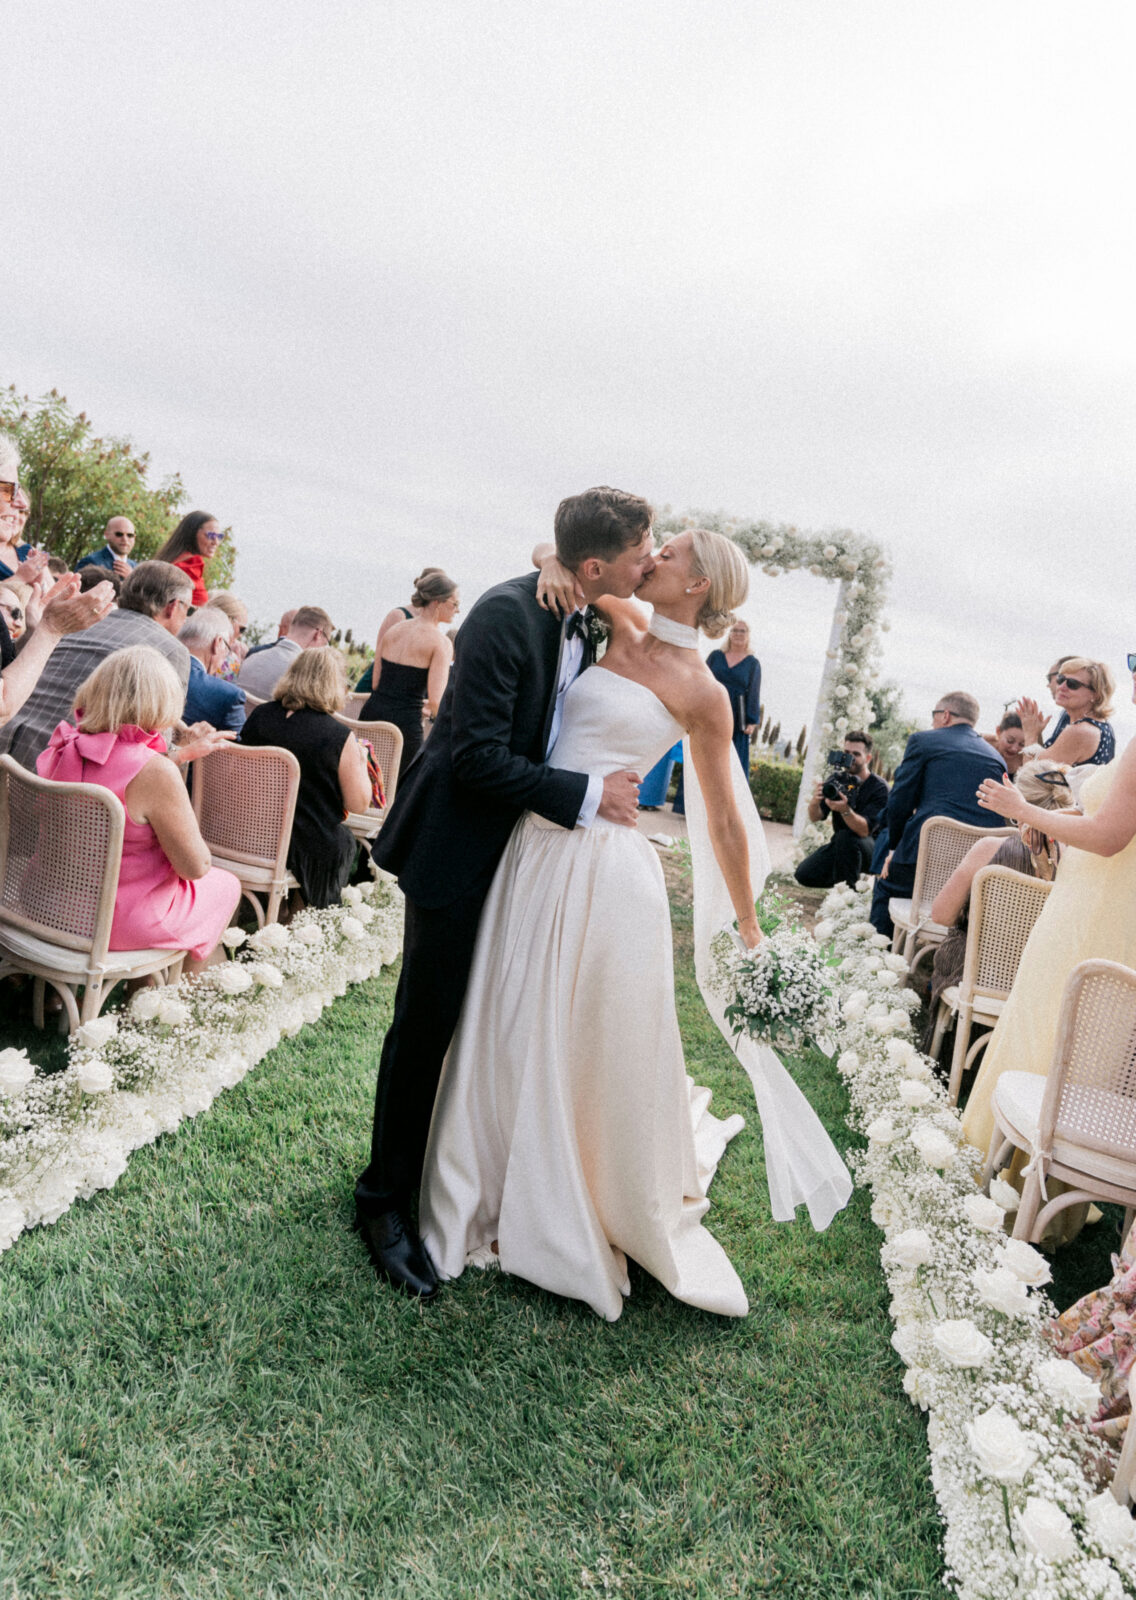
column 938, row 777
column 103, row 558
column 213, row 700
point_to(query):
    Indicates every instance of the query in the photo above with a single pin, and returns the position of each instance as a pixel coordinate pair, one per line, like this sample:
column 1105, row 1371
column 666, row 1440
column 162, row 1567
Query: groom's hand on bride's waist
column 620, row 801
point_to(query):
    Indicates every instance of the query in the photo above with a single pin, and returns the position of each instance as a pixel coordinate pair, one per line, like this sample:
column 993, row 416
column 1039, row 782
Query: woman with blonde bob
column 566, row 1135
column 1083, row 689
column 301, row 718
column 170, row 896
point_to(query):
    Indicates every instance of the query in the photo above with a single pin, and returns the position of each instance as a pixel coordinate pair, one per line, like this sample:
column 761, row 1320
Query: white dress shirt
column 571, row 663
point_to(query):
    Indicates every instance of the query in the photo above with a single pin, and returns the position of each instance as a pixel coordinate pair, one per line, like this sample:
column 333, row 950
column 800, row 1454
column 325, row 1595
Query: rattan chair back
column 1004, row 905
column 1090, row 1093
column 60, row 853
column 942, row 844
column 244, row 798
column 353, row 705
column 386, row 741
column 252, row 701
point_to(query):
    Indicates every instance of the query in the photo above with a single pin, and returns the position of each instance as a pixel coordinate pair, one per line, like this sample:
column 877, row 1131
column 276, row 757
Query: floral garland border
column 135, row 1074
column 1005, row 1431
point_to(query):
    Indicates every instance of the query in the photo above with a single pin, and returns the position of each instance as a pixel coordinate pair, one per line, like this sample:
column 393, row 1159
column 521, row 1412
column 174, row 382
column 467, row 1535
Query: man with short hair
column 310, row 629
column 154, row 603
column 938, row 777
column 282, row 627
column 208, row 636
column 856, row 819
column 118, row 536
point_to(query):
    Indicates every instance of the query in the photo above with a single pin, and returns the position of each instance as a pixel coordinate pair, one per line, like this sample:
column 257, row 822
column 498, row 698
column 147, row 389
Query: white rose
column 309, row 934
column 352, row 896
column 882, row 1025
column 270, row 937
column 94, row 1077
column 291, row 1020
column 830, row 552
column 823, row 931
column 961, row 1344
column 172, row 1013
column 1004, row 1194
column 887, row 979
column 899, row 1051
column 881, row 1131
column 936, row 1148
column 233, row 938
column 983, row 1213
column 16, row 1071
column 882, row 942
column 311, row 1007
column 841, row 691
column 899, row 1019
column 1004, row 1453
column 265, row 975
column 918, row 1386
column 861, row 930
column 855, row 1005
column 197, row 1097
column 13, row 1220
column 352, row 928
column 99, row 1031
column 919, row 1068
column 907, row 1340
column 913, row 1093
column 1047, row 1530
column 896, row 962
column 847, row 1063
column 365, row 914
column 1068, row 1387
column 1025, row 1263
column 911, row 1248
column 1110, row 1525
column 884, row 1211
column 145, row 1004
column 231, row 979
column 1001, row 1291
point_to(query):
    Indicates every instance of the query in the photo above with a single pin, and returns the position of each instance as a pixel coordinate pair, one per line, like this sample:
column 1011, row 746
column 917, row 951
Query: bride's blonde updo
column 714, row 556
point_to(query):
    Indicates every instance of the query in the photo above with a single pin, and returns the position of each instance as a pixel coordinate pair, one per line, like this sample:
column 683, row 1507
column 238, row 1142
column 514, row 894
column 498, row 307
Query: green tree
column 892, row 724
column 77, row 481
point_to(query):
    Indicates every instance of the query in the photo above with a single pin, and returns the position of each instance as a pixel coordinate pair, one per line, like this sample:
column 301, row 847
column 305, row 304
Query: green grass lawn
column 207, row 1393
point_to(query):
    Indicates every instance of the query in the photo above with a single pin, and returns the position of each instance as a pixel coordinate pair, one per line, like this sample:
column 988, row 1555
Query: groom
column 482, row 766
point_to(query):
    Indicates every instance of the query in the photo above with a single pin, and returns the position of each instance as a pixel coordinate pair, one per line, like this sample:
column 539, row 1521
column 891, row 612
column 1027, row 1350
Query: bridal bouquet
column 780, row 994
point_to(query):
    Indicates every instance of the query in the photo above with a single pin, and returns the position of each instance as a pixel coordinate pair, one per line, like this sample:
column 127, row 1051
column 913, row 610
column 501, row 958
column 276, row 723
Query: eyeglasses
column 215, row 538
column 7, row 491
column 942, row 711
column 1132, row 663
column 1073, row 683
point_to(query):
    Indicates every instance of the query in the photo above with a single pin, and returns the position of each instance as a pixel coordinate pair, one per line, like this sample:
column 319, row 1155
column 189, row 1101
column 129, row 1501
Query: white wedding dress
column 566, row 1128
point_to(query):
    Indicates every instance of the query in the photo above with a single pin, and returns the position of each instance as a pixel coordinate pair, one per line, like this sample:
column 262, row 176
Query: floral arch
column 861, row 569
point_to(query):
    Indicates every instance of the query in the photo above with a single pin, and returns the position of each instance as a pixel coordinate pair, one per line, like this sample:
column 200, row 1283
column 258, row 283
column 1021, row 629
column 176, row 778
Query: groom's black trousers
column 437, row 951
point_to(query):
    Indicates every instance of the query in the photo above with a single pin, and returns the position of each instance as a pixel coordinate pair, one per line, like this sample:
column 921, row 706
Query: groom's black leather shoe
column 397, row 1252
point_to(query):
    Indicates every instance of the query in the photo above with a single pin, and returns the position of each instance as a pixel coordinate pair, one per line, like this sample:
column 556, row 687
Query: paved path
column 779, row 835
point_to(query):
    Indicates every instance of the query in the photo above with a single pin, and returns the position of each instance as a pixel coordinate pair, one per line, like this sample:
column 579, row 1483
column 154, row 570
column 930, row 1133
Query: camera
column 840, row 782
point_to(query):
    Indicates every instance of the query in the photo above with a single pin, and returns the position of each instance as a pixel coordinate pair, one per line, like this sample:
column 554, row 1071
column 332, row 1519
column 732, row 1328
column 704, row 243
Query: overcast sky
column 384, row 282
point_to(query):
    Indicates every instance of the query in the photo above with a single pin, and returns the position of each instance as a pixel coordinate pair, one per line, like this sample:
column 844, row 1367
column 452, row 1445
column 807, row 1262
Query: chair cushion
column 900, row 913
column 1018, row 1097
column 983, row 1007
column 76, row 963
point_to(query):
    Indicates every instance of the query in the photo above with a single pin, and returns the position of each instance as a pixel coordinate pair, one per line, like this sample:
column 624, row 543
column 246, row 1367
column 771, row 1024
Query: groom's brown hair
column 600, row 522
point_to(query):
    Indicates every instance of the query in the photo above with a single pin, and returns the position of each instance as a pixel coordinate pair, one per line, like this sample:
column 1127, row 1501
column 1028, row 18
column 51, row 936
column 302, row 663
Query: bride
column 566, row 1136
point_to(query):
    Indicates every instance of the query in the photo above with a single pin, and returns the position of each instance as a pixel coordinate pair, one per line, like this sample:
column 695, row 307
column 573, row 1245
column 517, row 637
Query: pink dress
column 155, row 909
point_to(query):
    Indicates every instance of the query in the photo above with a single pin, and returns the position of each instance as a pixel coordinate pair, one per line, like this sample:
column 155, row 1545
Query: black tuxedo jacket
column 483, row 764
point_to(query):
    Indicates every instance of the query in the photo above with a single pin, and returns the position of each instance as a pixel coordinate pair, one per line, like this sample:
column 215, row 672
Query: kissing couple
column 532, row 1089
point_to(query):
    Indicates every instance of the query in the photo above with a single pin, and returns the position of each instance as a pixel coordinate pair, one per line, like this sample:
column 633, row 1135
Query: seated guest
column 209, row 698
column 413, row 666
column 13, row 607
column 1042, row 783
column 64, row 611
column 855, row 822
column 90, row 576
column 151, row 609
column 282, row 627
column 1083, row 690
column 237, row 613
column 333, row 769
column 170, row 896
column 114, row 556
column 196, row 540
column 1009, row 740
column 938, row 777
column 310, row 629
column 12, row 514
column 57, row 567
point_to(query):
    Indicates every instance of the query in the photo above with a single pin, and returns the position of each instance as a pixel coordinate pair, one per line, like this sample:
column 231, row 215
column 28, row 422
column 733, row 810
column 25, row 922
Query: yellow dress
column 1091, row 911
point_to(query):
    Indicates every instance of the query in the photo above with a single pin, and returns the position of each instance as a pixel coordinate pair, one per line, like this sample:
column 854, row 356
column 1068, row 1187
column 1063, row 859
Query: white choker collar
column 673, row 632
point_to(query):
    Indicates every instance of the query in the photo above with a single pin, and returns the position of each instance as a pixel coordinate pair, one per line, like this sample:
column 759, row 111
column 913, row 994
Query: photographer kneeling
column 856, row 800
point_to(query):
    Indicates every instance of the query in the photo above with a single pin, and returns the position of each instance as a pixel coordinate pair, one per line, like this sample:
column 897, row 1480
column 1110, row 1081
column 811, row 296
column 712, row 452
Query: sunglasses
column 1073, row 683
column 215, row 538
column 15, row 612
column 1052, row 778
column 7, row 491
column 1132, row 663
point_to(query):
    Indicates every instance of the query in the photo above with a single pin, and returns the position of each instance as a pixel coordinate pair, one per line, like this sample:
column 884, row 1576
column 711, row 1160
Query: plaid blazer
column 70, row 664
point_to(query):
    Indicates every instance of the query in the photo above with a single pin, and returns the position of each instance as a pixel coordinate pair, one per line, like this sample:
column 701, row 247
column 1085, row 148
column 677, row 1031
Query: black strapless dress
column 399, row 699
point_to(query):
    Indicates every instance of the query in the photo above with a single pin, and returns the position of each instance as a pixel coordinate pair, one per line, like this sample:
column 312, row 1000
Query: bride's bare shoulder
column 706, row 702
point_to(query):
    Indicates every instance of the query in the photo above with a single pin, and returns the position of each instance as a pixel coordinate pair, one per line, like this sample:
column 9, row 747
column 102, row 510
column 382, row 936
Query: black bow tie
column 577, row 626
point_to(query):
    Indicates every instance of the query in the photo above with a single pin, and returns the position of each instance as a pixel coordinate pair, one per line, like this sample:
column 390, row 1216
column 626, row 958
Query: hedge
column 775, row 785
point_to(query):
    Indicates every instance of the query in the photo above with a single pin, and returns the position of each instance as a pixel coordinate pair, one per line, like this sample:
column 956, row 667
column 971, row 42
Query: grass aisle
column 207, row 1394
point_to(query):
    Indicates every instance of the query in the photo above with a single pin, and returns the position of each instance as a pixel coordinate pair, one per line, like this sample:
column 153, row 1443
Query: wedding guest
column 237, row 613
column 57, row 567
column 65, row 611
column 414, row 665
column 369, row 679
column 152, row 607
column 738, row 670
column 12, row 501
column 170, row 896
column 1087, row 915
column 12, row 608
column 1098, row 1334
column 301, row 717
column 194, row 541
column 856, row 819
column 282, row 627
column 1009, row 740
column 310, row 629
column 114, row 556
column 90, row 577
column 1083, row 737
column 938, row 776
column 207, row 635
